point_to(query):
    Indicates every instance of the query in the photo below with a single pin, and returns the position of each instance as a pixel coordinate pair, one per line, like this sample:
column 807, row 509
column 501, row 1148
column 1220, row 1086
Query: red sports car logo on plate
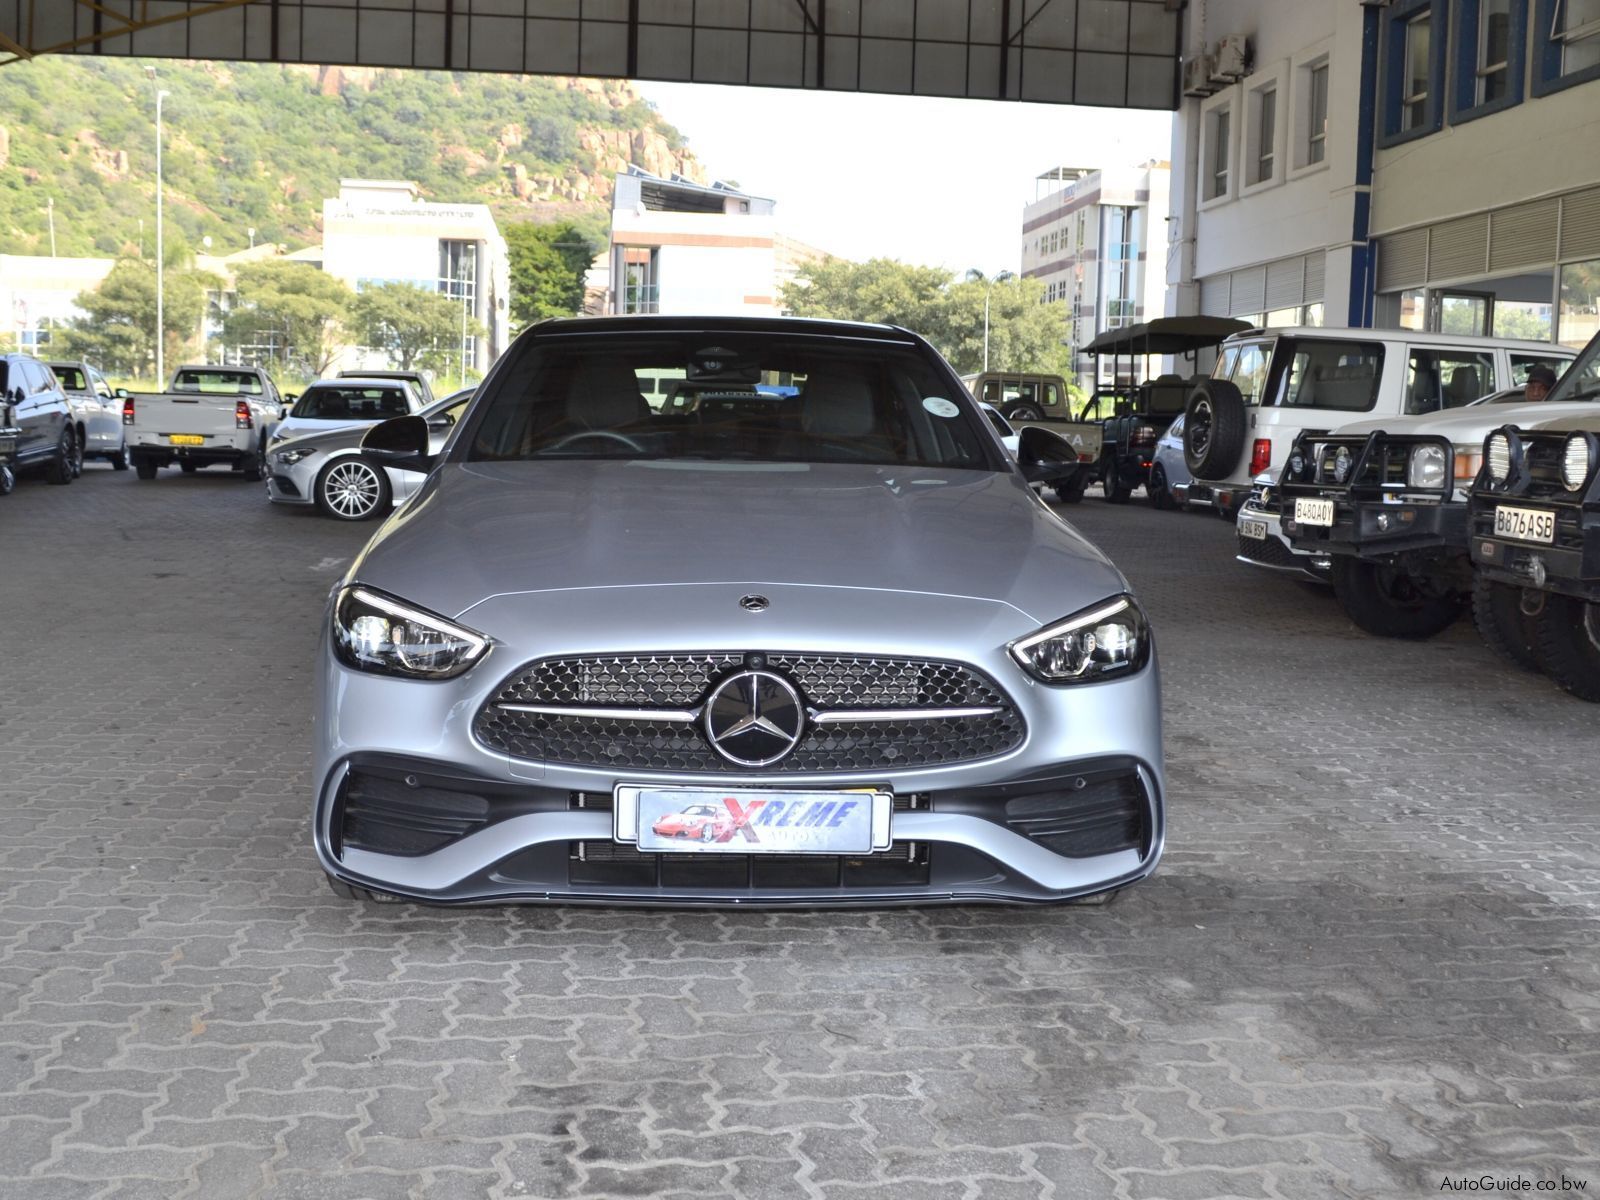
column 699, row 822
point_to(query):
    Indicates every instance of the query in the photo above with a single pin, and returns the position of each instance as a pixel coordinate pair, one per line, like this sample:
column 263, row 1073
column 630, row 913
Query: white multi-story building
column 683, row 247
column 1420, row 163
column 1088, row 238
column 383, row 231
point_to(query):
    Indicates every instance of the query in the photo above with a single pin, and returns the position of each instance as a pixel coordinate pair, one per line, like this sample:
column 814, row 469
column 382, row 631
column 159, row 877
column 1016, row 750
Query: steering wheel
column 586, row 434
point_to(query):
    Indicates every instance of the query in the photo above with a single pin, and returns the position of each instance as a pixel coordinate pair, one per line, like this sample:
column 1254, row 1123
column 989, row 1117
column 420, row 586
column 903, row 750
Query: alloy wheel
column 351, row 489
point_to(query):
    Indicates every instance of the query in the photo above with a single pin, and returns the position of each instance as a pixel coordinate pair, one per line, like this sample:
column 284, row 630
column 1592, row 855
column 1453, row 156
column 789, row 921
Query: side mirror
column 1045, row 456
column 121, row 393
column 401, row 442
column 289, row 398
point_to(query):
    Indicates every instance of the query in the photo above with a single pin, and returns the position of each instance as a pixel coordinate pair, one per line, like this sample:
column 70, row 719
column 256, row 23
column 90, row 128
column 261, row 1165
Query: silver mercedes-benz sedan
column 821, row 648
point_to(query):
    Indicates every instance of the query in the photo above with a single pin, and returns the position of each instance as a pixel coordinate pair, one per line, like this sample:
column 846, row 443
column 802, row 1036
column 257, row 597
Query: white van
column 1272, row 385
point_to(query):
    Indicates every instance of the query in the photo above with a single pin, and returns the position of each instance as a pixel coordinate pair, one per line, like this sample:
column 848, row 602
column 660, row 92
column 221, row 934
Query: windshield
column 375, row 403
column 1582, row 379
column 579, row 396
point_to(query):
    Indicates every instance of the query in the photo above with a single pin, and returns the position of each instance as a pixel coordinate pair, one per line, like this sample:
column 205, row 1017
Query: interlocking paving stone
column 1368, row 960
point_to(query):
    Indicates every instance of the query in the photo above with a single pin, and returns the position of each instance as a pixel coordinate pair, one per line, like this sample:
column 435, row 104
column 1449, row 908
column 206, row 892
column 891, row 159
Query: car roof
column 1344, row 334
column 659, row 323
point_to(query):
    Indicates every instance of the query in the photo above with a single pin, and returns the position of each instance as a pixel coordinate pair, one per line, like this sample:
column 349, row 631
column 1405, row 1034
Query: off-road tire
column 1503, row 626
column 1387, row 602
column 1024, row 412
column 144, row 468
column 1568, row 642
column 1214, row 426
column 1156, row 489
column 60, row 469
column 1116, row 491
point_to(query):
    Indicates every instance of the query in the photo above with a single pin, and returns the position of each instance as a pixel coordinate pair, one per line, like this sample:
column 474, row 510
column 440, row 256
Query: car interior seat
column 1465, row 387
column 839, row 408
column 605, row 395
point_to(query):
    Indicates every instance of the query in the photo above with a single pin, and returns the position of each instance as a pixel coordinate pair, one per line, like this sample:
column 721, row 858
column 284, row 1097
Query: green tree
column 414, row 325
column 1025, row 334
column 548, row 265
column 117, row 330
column 300, row 306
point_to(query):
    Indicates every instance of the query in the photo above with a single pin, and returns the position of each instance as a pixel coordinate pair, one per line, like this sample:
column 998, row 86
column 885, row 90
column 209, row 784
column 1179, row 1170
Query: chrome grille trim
column 844, row 716
column 669, row 715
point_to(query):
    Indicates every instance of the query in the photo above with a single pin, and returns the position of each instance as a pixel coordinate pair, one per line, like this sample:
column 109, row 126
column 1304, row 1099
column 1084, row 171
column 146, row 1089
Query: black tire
column 255, row 467
column 1214, row 425
column 1568, row 643
column 188, row 468
column 78, row 440
column 351, row 489
column 8, row 480
column 1072, row 491
column 1156, row 489
column 1503, row 626
column 1116, row 491
column 60, row 469
column 120, row 459
column 1024, row 412
column 1388, row 602
column 144, row 468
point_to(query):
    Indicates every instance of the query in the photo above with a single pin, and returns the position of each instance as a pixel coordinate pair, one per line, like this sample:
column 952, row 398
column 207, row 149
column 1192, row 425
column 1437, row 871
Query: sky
column 932, row 181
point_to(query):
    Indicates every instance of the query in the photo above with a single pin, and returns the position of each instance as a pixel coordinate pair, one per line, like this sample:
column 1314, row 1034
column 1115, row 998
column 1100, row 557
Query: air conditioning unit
column 1232, row 61
column 1197, row 76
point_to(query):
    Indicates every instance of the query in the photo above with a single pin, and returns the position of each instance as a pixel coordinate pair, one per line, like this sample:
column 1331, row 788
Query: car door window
column 1028, row 392
column 1440, row 379
column 1245, row 366
column 1328, row 373
column 1521, row 364
column 1052, row 395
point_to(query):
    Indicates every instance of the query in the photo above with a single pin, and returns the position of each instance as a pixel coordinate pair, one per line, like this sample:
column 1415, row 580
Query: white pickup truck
column 207, row 415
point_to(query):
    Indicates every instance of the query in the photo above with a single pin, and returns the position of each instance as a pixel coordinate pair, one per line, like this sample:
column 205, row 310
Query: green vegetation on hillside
column 261, row 146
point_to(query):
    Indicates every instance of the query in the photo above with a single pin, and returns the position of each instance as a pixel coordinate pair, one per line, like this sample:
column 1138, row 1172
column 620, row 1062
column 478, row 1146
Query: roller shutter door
column 1523, row 237
column 1580, row 225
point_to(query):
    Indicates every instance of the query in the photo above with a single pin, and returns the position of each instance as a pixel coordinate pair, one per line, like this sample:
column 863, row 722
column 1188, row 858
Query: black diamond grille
column 681, row 681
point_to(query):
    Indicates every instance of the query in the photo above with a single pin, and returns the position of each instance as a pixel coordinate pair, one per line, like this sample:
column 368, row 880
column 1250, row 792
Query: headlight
column 1341, row 464
column 288, row 458
column 1575, row 462
column 372, row 632
column 1428, row 467
column 1103, row 642
column 1498, row 453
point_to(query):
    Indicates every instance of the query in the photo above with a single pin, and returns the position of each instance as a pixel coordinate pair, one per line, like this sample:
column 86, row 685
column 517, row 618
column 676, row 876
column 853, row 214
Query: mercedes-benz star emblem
column 754, row 718
column 753, row 603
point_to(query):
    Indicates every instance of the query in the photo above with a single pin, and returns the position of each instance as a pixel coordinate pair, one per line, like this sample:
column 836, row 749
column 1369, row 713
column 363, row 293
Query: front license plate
column 752, row 821
column 186, row 439
column 1253, row 529
column 1524, row 524
column 1314, row 512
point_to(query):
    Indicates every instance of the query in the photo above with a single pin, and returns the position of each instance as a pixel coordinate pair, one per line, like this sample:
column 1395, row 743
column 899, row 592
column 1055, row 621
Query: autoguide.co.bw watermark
column 1511, row 1183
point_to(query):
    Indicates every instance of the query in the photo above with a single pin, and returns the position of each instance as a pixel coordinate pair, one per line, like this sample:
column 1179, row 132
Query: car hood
column 298, row 427
column 1469, row 426
column 487, row 530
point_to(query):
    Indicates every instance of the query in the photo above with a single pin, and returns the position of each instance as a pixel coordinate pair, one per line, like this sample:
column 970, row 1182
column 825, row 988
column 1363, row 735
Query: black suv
column 36, row 430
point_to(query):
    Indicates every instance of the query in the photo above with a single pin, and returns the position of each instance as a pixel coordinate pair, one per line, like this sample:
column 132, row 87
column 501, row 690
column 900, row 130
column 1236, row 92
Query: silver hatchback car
column 818, row 649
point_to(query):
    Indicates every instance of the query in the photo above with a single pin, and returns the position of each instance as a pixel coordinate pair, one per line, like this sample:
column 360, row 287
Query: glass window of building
column 1317, row 143
column 1418, row 63
column 1494, row 50
column 1579, row 318
column 1577, row 27
column 1217, row 184
column 1266, row 133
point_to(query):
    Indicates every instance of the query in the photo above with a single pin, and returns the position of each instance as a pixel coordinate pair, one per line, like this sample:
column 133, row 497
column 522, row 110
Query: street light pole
column 988, row 286
column 161, row 266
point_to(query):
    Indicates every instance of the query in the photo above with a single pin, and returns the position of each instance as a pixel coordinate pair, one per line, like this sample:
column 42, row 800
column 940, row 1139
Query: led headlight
column 373, row 632
column 1429, row 467
column 288, row 458
column 1109, row 640
column 1575, row 462
column 1498, row 453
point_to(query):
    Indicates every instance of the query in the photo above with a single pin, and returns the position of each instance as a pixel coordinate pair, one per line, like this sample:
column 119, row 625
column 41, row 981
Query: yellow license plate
column 186, row 439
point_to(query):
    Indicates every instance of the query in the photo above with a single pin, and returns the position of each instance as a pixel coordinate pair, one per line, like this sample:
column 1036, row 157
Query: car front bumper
column 292, row 484
column 409, row 803
column 1273, row 551
column 1380, row 530
column 1569, row 564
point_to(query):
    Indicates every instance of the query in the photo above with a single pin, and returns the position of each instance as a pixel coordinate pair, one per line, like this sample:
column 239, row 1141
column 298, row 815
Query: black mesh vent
column 1271, row 552
column 1105, row 815
column 387, row 816
column 682, row 680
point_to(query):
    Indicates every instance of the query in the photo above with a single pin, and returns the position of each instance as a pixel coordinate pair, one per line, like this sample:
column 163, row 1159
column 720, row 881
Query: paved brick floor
column 1370, row 961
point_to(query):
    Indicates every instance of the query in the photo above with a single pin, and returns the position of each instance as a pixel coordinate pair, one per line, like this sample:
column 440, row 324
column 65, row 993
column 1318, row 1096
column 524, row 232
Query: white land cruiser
column 1272, row 385
column 1387, row 499
column 207, row 415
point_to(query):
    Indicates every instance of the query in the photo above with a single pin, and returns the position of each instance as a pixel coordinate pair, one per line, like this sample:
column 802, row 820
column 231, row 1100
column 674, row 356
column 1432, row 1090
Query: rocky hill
column 260, row 146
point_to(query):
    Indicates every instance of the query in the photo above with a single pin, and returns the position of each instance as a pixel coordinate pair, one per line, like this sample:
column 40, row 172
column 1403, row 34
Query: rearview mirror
column 400, row 442
column 1045, row 456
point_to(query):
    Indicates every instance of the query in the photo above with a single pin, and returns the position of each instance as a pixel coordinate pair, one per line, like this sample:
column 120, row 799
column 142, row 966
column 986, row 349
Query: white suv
column 1272, row 385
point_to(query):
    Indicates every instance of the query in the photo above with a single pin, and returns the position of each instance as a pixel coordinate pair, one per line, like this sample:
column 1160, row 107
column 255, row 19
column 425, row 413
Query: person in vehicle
column 1540, row 380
